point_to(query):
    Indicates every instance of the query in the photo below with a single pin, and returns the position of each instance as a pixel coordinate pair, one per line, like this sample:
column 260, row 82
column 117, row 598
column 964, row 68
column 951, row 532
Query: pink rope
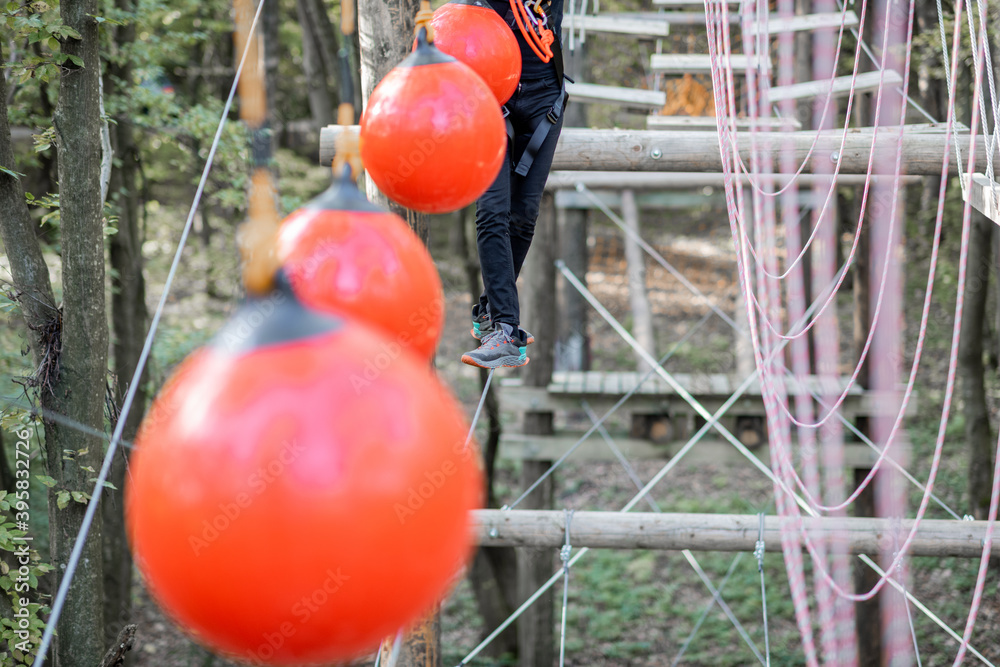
column 875, row 318
column 977, row 594
column 953, row 357
column 733, row 193
column 850, row 100
column 825, row 599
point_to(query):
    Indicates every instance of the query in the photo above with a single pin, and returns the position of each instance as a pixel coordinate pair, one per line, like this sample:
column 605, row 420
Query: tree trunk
column 325, row 39
column 971, row 369
column 128, row 315
column 79, row 391
column 271, row 22
column 385, row 31
column 320, row 103
column 31, row 276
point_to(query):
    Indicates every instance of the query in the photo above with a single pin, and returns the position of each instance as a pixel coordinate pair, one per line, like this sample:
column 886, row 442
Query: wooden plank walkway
column 702, row 384
column 984, row 195
column 816, row 21
column 592, row 92
column 698, row 63
column 841, row 86
column 518, row 446
column 621, row 24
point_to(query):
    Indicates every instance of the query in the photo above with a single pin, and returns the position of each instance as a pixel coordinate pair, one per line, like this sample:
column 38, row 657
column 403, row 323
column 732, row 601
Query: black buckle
column 504, row 110
column 552, row 115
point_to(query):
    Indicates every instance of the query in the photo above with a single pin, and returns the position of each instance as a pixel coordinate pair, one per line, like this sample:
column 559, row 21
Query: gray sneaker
column 482, row 326
column 498, row 349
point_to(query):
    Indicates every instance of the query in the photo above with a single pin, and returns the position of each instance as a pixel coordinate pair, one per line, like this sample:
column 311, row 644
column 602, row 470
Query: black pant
column 506, row 213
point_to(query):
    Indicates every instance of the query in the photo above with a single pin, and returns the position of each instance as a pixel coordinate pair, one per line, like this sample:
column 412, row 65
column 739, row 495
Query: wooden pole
column 538, row 314
column 385, row 31
column 573, row 352
column 717, row 532
column 635, row 260
column 651, row 150
column 651, row 180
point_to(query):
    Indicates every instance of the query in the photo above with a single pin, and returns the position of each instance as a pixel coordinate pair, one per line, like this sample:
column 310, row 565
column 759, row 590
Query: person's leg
column 527, row 190
column 493, row 242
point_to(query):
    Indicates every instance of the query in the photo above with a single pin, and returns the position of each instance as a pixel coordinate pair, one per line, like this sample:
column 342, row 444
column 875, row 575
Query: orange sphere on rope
column 345, row 255
column 432, row 135
column 472, row 32
column 296, row 493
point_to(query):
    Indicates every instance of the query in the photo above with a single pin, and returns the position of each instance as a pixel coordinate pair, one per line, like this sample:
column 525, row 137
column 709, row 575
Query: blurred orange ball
column 432, row 135
column 346, row 255
column 300, row 489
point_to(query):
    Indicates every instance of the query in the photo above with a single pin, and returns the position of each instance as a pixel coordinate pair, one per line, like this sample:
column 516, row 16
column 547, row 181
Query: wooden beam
column 686, row 3
column 651, row 180
column 816, row 21
column 841, row 86
column 636, row 97
column 709, row 123
column 657, row 201
column 648, row 150
column 984, row 195
column 699, row 63
column 622, row 24
column 717, row 532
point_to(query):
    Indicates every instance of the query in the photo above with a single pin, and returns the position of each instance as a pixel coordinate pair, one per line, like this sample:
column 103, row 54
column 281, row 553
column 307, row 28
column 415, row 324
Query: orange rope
column 423, row 20
column 541, row 43
column 257, row 236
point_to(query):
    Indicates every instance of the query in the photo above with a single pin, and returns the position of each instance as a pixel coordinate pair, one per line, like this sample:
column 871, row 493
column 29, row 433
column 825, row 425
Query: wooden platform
column 660, row 419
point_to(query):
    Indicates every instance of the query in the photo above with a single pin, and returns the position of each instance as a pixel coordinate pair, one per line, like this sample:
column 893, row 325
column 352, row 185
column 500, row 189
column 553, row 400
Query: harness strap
column 538, row 136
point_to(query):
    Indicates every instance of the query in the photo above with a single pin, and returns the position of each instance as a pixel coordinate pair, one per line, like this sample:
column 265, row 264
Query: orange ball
column 472, row 32
column 346, row 255
column 300, row 489
column 432, row 135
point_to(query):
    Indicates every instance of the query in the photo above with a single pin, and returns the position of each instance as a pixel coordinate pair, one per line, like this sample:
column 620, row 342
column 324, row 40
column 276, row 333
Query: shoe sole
column 531, row 339
column 502, row 362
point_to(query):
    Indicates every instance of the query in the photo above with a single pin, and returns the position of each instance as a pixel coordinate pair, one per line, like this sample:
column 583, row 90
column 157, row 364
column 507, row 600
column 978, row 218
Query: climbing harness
column 533, row 22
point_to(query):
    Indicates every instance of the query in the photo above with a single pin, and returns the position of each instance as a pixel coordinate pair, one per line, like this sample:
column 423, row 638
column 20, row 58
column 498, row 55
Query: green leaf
column 46, row 480
column 107, row 484
column 80, row 497
column 62, row 499
column 76, row 60
column 10, row 172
